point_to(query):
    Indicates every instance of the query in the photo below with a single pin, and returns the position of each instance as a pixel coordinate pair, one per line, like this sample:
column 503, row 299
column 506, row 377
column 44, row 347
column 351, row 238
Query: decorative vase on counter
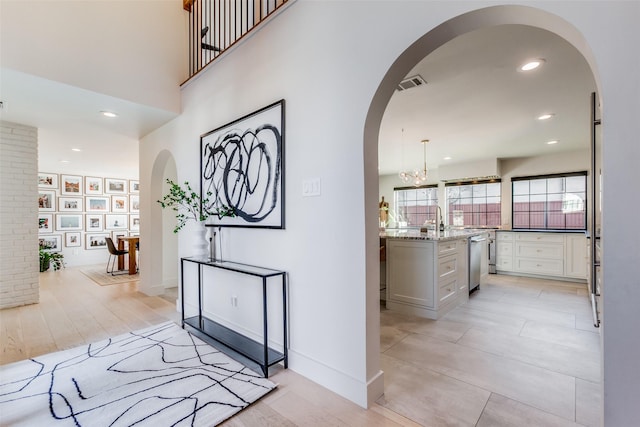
column 200, row 241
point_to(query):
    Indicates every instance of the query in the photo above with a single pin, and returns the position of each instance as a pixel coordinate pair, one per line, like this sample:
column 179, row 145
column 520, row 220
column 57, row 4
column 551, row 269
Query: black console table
column 260, row 353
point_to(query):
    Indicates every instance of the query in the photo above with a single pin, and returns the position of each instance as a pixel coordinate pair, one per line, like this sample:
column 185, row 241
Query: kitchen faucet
column 439, row 214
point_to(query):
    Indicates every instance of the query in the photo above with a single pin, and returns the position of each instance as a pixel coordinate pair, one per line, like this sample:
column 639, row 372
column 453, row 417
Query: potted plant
column 51, row 259
column 188, row 205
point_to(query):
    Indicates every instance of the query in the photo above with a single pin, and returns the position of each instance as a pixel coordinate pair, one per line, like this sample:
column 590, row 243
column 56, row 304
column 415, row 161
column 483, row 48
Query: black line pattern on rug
column 162, row 375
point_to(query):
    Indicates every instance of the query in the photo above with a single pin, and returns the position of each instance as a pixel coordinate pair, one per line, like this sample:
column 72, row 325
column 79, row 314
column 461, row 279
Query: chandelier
column 417, row 177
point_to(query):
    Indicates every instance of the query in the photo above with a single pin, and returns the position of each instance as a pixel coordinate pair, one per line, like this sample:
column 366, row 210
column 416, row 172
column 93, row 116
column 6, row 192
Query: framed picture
column 119, row 204
column 46, row 201
column 94, row 222
column 97, row 204
column 72, row 239
column 116, row 235
column 66, row 222
column 134, row 203
column 52, row 243
column 92, row 185
column 115, row 221
column 96, row 241
column 71, row 185
column 242, row 166
column 70, row 204
column 134, row 186
column 115, row 186
column 48, row 180
column 45, row 223
column 134, row 222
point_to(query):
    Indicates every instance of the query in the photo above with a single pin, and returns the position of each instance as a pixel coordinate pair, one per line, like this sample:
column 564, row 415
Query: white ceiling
column 69, row 117
column 477, row 105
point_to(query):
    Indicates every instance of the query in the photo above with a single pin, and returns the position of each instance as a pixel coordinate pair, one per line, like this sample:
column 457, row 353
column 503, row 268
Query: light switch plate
column 311, row 187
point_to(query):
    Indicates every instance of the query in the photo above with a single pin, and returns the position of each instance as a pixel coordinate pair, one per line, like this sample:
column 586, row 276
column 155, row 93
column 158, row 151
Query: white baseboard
column 360, row 392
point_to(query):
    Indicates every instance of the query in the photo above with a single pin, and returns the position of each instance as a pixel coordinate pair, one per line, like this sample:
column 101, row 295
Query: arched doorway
column 434, row 39
column 161, row 245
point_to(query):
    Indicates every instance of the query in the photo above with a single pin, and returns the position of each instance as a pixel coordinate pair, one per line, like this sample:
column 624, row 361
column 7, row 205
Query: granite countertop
column 416, row 234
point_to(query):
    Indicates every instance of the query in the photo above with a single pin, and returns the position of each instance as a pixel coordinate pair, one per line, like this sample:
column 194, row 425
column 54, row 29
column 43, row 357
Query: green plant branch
column 189, row 205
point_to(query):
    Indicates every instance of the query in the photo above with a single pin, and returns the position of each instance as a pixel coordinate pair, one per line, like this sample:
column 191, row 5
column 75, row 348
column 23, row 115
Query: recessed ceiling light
column 546, row 116
column 531, row 65
column 108, row 114
column 448, row 158
column 552, row 142
column 76, row 149
column 64, row 161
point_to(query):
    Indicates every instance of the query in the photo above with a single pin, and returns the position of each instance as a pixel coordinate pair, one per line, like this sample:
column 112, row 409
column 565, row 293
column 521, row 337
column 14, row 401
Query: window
column 550, row 202
column 476, row 204
column 415, row 206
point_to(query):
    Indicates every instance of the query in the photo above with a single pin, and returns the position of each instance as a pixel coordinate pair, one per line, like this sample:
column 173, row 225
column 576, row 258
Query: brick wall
column 19, row 264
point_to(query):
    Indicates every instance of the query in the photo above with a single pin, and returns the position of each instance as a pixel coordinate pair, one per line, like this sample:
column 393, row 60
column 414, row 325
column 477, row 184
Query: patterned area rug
column 160, row 376
column 102, row 278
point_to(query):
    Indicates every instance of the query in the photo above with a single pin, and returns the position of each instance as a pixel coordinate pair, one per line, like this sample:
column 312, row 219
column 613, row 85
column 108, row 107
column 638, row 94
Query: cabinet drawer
column 540, row 266
column 504, row 249
column 540, row 237
column 447, row 266
column 540, row 250
column 447, row 291
column 505, row 264
column 446, row 248
column 504, row 237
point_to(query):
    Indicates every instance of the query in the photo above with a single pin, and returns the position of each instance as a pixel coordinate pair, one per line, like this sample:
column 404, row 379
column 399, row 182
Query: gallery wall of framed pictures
column 81, row 211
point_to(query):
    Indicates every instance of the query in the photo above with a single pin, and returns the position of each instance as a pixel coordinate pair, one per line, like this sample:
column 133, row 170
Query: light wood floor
column 522, row 352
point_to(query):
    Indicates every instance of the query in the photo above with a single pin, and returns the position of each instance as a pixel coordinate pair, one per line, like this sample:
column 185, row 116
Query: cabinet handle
column 538, row 250
column 538, row 265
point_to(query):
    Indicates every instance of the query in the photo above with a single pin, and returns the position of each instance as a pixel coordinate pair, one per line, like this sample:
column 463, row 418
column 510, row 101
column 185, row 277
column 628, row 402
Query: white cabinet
column 504, row 251
column 558, row 255
column 425, row 277
column 484, row 256
column 576, row 257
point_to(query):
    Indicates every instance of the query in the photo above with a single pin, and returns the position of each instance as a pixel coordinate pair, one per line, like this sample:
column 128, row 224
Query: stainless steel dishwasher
column 475, row 261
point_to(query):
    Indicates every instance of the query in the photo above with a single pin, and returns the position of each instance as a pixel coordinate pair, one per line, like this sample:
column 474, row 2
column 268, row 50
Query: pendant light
column 417, row 177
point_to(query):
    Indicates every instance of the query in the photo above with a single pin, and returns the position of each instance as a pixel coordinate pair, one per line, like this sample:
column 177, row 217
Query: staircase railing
column 216, row 25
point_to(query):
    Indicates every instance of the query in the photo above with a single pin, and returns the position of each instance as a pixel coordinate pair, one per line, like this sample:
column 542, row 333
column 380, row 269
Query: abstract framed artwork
column 70, row 204
column 45, row 223
column 96, row 241
column 134, row 186
column 72, row 239
column 47, row 180
column 92, row 185
column 52, row 243
column 66, row 222
column 47, row 201
column 71, row 185
column 242, row 167
column 115, row 186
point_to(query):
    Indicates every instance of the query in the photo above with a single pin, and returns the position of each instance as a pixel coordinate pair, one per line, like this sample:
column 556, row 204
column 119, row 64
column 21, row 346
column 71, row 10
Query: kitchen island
column 427, row 273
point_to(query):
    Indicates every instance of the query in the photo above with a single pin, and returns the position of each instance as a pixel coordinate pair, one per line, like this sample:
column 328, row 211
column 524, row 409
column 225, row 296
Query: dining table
column 132, row 242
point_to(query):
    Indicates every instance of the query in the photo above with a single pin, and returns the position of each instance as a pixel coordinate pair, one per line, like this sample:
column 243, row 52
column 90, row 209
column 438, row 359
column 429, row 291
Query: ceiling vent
column 411, row 82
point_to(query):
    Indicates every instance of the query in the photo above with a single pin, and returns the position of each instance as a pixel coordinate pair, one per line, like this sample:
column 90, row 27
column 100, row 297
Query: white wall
column 328, row 73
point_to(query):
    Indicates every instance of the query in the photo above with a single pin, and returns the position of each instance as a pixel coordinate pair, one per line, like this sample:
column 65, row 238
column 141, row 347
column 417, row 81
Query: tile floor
column 521, row 352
